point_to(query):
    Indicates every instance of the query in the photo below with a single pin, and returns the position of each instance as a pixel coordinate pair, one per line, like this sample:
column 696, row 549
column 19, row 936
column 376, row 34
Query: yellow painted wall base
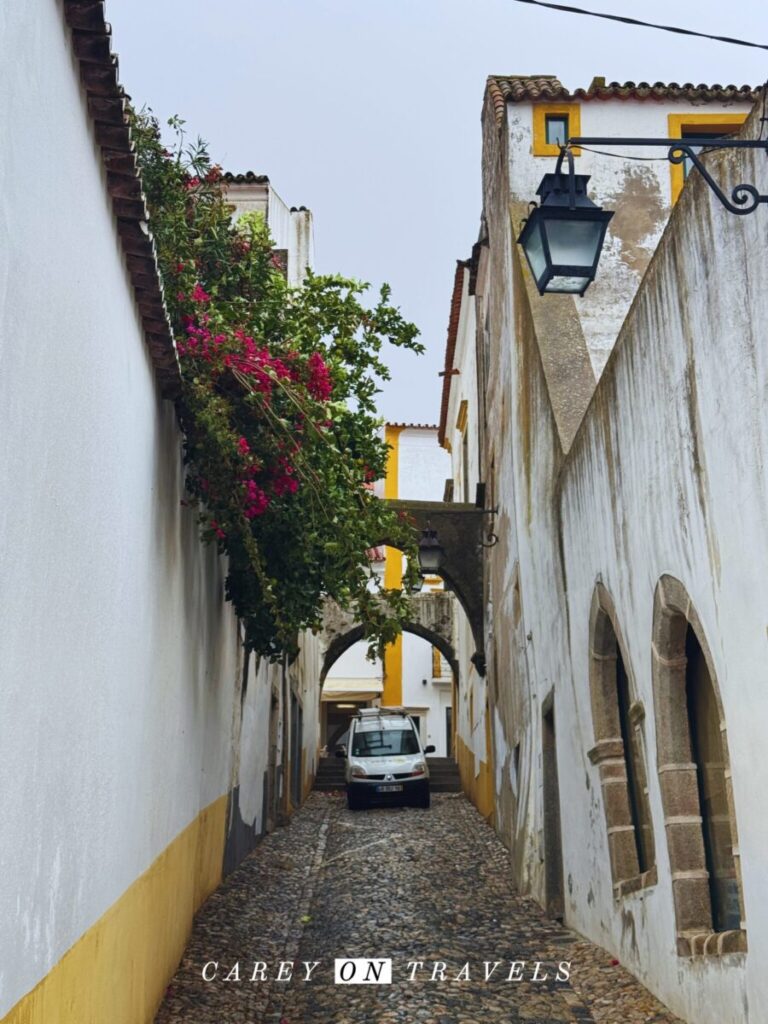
column 118, row 971
column 479, row 788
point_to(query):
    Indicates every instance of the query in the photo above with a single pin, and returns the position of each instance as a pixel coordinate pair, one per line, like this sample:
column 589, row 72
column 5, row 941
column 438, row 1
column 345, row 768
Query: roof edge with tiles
column 106, row 101
column 246, row 178
column 503, row 89
column 450, row 348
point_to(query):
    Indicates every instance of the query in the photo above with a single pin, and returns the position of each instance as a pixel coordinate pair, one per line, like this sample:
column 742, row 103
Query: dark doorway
column 553, row 852
column 708, row 754
column 449, row 732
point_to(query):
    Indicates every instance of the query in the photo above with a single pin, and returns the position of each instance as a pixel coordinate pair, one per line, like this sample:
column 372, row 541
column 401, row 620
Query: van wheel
column 423, row 799
column 355, row 802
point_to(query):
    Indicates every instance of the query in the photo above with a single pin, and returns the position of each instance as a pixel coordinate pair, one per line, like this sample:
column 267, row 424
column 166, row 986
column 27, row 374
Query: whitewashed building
column 413, row 674
column 622, row 437
column 291, row 227
column 142, row 754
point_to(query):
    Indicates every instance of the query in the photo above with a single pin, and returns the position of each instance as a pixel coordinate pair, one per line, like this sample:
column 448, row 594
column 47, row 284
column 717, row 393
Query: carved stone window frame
column 673, row 614
column 608, row 754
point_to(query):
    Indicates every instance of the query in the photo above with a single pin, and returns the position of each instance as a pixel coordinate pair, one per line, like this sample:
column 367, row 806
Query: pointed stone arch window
column 619, row 752
column 695, row 780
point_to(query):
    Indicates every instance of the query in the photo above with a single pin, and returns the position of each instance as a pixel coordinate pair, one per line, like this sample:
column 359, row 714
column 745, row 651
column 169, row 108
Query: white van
column 385, row 759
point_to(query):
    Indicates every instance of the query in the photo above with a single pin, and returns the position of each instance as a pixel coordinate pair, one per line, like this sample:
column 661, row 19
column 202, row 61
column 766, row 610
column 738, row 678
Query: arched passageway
column 428, row 672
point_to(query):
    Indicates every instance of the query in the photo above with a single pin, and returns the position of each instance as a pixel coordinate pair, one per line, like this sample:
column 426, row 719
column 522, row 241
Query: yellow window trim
column 540, row 111
column 678, row 123
column 436, row 664
column 461, row 419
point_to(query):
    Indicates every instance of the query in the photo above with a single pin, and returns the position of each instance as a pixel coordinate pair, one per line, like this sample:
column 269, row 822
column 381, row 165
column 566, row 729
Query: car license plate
column 389, row 789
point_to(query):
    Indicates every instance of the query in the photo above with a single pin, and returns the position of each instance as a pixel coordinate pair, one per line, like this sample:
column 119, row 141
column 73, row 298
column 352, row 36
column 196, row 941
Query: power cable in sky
column 643, row 24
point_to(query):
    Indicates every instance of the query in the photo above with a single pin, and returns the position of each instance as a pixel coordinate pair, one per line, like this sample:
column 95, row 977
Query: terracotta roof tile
column 246, row 178
column 514, row 88
column 450, row 346
column 414, row 426
column 91, row 45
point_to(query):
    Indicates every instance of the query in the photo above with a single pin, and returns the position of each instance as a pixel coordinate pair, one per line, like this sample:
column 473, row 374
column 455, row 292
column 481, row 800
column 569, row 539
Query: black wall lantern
column 431, row 553
column 563, row 237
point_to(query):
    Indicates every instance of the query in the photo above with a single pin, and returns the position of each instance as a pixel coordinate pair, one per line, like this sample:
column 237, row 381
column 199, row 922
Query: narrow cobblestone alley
column 408, row 884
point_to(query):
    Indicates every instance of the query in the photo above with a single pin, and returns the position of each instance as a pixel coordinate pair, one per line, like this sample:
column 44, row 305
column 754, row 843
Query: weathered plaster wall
column 666, row 475
column 639, row 191
column 122, row 673
column 473, row 725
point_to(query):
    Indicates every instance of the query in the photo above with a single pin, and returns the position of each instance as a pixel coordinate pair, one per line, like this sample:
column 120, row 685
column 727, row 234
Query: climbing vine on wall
column 282, row 441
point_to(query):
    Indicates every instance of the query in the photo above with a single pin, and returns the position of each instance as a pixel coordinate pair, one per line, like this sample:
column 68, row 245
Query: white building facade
column 143, row 755
column 624, row 637
column 412, row 674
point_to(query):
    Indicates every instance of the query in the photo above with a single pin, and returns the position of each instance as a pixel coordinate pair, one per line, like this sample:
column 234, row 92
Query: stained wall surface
column 658, row 473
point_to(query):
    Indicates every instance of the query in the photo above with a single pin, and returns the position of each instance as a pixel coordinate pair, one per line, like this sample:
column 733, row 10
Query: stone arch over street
column 432, row 620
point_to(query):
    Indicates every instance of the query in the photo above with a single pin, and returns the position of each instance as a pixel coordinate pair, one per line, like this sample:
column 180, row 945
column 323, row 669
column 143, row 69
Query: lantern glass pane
column 568, row 284
column 534, row 249
column 574, row 243
column 430, row 559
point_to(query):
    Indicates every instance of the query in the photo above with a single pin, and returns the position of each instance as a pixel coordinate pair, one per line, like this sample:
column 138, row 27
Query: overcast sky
column 368, row 112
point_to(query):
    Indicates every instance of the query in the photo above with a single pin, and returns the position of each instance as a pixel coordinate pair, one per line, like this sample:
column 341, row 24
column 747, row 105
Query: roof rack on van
column 377, row 712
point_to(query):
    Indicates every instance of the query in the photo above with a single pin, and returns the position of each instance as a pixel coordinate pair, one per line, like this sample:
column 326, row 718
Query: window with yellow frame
column 686, row 125
column 553, row 125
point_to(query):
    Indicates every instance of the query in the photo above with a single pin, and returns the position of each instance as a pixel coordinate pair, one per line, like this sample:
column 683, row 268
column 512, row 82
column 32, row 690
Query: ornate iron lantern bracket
column 743, row 199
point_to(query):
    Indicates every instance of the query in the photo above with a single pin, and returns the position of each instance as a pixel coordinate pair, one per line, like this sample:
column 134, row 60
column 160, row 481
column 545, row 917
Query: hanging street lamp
column 431, row 553
column 564, row 235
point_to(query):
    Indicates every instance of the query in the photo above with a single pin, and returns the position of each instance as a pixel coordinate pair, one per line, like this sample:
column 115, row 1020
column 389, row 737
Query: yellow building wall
column 392, row 693
column 478, row 784
column 117, row 972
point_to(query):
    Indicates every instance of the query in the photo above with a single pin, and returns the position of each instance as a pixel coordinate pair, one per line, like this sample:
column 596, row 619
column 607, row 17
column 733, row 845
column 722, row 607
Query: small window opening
column 700, row 131
column 635, row 768
column 709, row 756
column 556, row 126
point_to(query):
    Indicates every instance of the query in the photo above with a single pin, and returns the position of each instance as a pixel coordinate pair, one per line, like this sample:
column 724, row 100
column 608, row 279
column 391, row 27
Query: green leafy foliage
column 282, row 441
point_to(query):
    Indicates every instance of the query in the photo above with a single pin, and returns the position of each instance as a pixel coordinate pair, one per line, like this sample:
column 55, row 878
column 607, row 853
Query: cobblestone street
column 402, row 883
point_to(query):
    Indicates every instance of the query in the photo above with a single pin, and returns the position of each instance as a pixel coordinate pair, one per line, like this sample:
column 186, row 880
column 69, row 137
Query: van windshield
column 384, row 743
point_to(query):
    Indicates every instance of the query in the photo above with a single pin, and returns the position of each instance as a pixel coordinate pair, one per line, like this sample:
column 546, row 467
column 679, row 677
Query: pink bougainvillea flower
column 256, row 500
column 199, row 294
column 319, row 384
column 243, row 446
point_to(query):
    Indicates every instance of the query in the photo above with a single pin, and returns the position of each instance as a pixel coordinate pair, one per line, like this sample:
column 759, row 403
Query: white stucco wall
column 422, row 465
column 472, row 693
column 292, row 229
column 355, row 664
column 694, row 509
column 666, row 475
column 121, row 670
column 430, row 699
